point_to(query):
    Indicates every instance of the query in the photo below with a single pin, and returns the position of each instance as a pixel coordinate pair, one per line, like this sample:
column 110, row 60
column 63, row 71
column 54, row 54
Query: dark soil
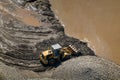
column 21, row 43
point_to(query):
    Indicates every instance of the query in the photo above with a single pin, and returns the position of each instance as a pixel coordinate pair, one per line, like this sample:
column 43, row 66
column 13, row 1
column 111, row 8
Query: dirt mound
column 81, row 68
column 29, row 27
column 12, row 73
column 87, row 68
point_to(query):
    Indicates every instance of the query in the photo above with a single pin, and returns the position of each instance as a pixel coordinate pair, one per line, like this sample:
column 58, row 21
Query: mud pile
column 29, row 27
column 87, row 68
column 81, row 68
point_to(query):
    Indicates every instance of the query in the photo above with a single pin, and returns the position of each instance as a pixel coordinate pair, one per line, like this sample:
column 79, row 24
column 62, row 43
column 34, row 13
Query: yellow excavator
column 56, row 54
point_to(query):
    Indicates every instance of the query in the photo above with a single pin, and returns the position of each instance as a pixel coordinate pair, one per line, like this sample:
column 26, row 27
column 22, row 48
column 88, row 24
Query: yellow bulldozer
column 56, row 53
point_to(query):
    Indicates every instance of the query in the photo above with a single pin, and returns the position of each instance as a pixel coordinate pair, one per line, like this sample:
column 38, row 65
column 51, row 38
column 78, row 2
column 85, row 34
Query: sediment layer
column 29, row 27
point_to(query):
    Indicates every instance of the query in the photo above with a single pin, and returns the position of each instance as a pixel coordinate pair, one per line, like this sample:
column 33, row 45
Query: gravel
column 87, row 68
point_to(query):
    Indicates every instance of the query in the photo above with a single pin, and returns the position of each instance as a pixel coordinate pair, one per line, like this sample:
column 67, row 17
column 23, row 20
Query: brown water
column 94, row 21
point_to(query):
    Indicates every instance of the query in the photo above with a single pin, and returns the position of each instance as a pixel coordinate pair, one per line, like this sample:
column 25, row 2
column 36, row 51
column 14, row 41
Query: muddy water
column 94, row 21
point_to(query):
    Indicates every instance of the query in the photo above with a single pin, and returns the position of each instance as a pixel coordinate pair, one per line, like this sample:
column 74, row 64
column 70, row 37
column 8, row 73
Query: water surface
column 94, row 21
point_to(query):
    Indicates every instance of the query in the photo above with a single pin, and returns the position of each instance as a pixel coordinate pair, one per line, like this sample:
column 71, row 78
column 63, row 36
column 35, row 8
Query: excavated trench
column 29, row 27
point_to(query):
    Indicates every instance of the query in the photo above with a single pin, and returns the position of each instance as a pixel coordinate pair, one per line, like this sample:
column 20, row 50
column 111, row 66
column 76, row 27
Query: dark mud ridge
column 28, row 27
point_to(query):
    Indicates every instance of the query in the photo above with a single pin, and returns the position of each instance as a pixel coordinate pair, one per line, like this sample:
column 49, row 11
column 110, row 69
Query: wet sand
column 21, row 14
column 96, row 22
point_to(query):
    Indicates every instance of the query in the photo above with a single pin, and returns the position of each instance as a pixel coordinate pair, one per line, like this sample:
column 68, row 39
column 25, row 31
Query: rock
column 87, row 68
column 28, row 27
